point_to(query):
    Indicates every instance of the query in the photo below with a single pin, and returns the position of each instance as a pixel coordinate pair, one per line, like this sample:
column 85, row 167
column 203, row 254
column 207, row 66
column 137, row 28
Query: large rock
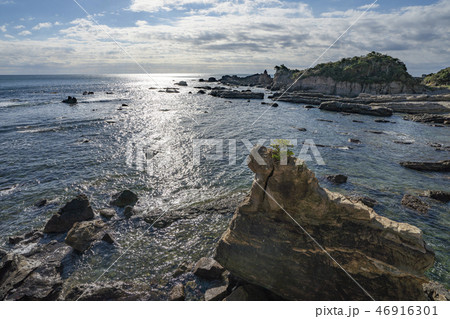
column 442, row 166
column 208, row 268
column 177, row 293
column 415, row 203
column 265, row 246
column 83, row 234
column 77, row 210
column 355, row 108
column 234, row 94
column 441, row 196
column 125, row 198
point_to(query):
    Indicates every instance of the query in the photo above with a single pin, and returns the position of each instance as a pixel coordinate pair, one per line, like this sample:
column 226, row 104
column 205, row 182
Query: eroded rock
column 124, row 198
column 208, row 268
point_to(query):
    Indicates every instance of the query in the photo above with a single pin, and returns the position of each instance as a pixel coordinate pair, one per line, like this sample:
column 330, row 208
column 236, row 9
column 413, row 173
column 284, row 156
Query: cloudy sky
column 216, row 36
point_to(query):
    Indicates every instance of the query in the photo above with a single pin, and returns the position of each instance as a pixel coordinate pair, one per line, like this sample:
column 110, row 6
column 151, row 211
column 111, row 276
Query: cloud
column 18, row 27
column 9, row 36
column 3, row 28
column 6, row 2
column 43, row 25
column 141, row 23
column 166, row 5
column 367, row 6
column 25, row 33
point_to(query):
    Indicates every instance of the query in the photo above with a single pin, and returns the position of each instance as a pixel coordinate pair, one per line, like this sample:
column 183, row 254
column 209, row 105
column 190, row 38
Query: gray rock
column 355, row 108
column 108, row 212
column 181, row 83
column 125, row 198
column 436, row 292
column 83, row 234
column 77, row 210
column 182, row 268
column 354, row 140
column 365, row 200
column 177, row 293
column 41, row 203
column 337, row 179
column 117, row 291
column 216, row 294
column 442, row 166
column 208, row 268
column 108, row 239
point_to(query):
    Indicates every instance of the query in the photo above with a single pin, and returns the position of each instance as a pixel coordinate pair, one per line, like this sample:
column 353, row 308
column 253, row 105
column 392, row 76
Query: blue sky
column 216, row 36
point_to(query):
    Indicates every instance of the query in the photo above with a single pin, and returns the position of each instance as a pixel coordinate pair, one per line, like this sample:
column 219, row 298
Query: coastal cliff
column 374, row 73
column 266, row 247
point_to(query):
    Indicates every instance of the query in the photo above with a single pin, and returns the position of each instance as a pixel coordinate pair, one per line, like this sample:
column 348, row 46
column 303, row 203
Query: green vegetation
column 372, row 68
column 281, row 149
column 441, row 78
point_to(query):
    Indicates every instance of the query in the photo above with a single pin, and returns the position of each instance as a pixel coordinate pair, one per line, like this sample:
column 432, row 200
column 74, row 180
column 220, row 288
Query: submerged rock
column 70, row 100
column 266, row 247
column 125, row 198
column 181, row 83
column 442, row 166
column 77, row 210
column 441, row 196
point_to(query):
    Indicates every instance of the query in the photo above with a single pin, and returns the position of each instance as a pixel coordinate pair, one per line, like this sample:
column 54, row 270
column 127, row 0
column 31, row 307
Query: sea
column 178, row 149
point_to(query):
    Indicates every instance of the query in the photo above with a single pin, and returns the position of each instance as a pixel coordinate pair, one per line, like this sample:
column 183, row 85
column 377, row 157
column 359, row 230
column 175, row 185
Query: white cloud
column 3, row 28
column 25, row 33
column 167, row 5
column 18, row 27
column 57, row 23
column 141, row 23
column 367, row 6
column 42, row 25
column 9, row 36
column 6, row 2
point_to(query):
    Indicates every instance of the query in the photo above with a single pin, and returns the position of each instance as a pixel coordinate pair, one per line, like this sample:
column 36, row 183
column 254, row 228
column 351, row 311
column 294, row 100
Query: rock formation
column 266, row 247
column 263, row 80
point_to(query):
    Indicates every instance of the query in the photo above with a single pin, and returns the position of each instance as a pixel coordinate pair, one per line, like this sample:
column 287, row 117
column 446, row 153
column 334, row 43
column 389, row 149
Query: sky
column 216, row 36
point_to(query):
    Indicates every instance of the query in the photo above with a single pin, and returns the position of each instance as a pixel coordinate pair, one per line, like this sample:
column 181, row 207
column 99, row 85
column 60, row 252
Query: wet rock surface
column 124, row 198
column 415, row 203
column 442, row 166
column 235, row 94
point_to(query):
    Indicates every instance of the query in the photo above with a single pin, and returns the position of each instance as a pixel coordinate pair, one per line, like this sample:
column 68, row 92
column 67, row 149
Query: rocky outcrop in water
column 355, row 108
column 266, row 247
column 235, row 94
column 262, row 80
column 442, row 166
column 429, row 118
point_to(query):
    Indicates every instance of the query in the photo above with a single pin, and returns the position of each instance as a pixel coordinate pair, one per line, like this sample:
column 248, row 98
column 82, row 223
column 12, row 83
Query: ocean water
column 54, row 151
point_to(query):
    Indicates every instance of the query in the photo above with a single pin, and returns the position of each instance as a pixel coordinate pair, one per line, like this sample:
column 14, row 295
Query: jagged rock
column 34, row 276
column 125, row 198
column 181, row 83
column 208, row 268
column 441, row 196
column 107, row 238
column 355, row 108
column 337, row 179
column 70, row 100
column 212, row 79
column 83, row 234
column 216, row 293
column 235, row 94
column 77, row 210
column 28, row 237
column 177, row 293
column 415, row 203
column 442, row 166
column 117, row 291
column 436, row 292
column 107, row 212
column 265, row 247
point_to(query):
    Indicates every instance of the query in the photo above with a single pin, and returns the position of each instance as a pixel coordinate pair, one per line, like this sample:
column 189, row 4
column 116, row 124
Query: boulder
column 216, row 293
column 337, row 179
column 212, row 79
column 181, row 83
column 235, row 94
column 77, row 210
column 441, row 196
column 107, row 212
column 182, row 268
column 177, row 293
column 201, row 92
column 354, row 140
column 436, row 292
column 83, row 234
column 41, row 203
column 208, row 268
column 335, row 106
column 70, row 100
column 442, row 166
column 269, row 242
column 124, row 198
